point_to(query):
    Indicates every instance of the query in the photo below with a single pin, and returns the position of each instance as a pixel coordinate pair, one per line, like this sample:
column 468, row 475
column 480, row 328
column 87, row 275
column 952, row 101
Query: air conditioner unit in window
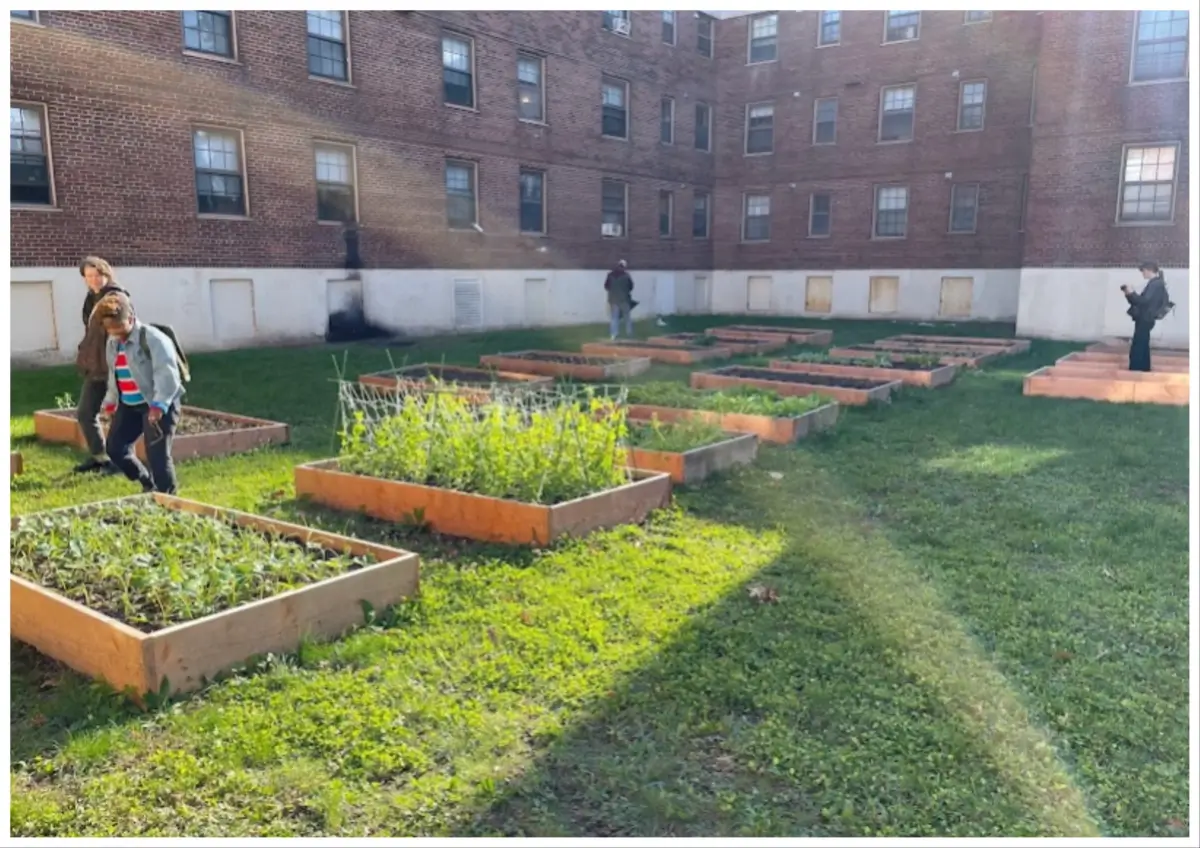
column 621, row 26
column 610, row 230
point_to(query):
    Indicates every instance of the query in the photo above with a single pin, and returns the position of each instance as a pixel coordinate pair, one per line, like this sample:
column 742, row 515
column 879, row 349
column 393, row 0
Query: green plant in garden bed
column 563, row 450
column 746, row 401
column 678, row 437
column 881, row 360
column 152, row 567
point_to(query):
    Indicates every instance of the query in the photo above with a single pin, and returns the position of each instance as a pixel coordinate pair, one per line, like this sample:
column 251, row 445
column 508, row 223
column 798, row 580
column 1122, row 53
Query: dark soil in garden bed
column 190, row 424
column 448, row 374
column 563, row 358
column 900, row 365
column 796, row 377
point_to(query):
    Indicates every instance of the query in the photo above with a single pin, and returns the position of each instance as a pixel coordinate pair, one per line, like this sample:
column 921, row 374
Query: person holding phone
column 1145, row 308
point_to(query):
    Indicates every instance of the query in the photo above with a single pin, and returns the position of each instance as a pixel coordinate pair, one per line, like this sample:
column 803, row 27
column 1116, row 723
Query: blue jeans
column 616, row 312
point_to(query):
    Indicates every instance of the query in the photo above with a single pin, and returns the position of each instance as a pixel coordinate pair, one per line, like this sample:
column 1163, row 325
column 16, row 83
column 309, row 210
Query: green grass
column 981, row 629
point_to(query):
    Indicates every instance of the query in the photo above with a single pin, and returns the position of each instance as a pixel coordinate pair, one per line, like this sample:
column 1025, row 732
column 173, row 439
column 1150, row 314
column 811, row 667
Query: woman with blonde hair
column 92, row 362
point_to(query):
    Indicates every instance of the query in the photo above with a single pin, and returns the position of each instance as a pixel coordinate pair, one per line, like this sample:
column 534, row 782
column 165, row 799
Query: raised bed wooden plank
column 1014, row 345
column 780, row 431
column 872, row 351
column 671, row 354
column 556, row 363
column 187, row 654
column 1170, row 364
column 698, row 464
column 461, row 379
column 791, row 384
column 1122, row 347
column 16, row 464
column 1089, row 372
column 479, row 517
column 929, row 378
column 739, row 347
column 58, row 426
column 1054, row 382
column 794, row 335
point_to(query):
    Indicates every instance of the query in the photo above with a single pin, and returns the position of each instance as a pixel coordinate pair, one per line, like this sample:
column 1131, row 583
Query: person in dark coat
column 1145, row 308
column 619, row 286
column 92, row 363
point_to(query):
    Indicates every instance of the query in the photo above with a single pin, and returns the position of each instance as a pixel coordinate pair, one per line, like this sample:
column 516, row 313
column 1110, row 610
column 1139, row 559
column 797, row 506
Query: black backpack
column 1167, row 306
column 185, row 371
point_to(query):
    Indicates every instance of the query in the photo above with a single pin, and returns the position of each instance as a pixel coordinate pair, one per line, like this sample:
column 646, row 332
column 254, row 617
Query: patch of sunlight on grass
column 995, row 460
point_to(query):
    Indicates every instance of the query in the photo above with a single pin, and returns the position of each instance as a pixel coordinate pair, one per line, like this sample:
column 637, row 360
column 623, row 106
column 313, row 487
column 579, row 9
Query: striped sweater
column 131, row 395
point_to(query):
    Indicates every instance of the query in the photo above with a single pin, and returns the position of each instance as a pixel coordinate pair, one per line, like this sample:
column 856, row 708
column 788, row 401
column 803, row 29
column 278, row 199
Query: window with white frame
column 613, row 214
column 666, row 212
column 830, row 31
column 335, row 183
column 1148, row 176
column 896, row 110
column 756, row 223
column 31, row 16
column 533, row 201
column 29, row 156
column 700, row 214
column 618, row 22
column 614, row 108
column 668, row 28
column 760, row 128
column 704, row 34
column 976, row 17
column 1160, row 47
column 327, row 54
column 210, row 33
column 902, row 26
column 458, row 71
column 462, row 210
column 703, row 127
column 666, row 121
column 531, row 94
column 820, row 214
column 764, row 38
column 825, row 120
column 964, row 207
column 972, row 101
column 220, row 172
column 891, row 212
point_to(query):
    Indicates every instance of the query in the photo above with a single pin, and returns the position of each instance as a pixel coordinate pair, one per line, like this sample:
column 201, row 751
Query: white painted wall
column 1085, row 304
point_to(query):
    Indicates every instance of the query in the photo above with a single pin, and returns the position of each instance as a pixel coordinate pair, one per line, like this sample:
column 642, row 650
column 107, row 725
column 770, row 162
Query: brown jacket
column 90, row 358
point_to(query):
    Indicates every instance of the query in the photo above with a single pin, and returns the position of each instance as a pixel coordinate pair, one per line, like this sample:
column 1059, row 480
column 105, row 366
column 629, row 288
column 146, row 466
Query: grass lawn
column 982, row 629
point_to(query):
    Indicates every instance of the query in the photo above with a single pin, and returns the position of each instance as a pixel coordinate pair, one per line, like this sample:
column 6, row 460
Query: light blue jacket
column 157, row 375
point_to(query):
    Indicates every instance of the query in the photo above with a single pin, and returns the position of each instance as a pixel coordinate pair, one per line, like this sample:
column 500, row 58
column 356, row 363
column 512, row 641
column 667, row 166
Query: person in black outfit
column 92, row 363
column 1145, row 308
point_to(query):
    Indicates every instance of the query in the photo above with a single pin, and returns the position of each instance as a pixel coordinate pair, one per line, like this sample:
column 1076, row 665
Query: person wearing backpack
column 1146, row 308
column 90, row 360
column 147, row 371
column 619, row 286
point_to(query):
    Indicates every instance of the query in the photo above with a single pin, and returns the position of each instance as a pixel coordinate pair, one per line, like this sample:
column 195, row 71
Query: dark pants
column 87, row 413
column 1139, row 346
column 128, row 424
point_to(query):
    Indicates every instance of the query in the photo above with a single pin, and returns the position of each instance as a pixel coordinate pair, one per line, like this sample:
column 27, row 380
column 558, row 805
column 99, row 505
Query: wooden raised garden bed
column 1113, row 386
column 1122, row 347
column 966, row 359
column 200, row 432
column 16, row 463
column 790, row 335
column 768, row 428
column 478, row 517
column 475, row 382
column 185, row 655
column 738, row 347
column 853, row 391
column 1011, row 345
column 908, row 373
column 1158, row 363
column 697, row 464
column 554, row 363
column 669, row 353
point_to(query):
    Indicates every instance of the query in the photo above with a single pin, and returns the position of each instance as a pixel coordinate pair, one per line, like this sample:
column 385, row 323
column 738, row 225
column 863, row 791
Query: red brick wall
column 1086, row 112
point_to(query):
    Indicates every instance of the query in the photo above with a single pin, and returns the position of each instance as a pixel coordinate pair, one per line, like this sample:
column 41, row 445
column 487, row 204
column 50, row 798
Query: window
column 976, row 17
column 533, row 201
column 756, row 224
column 666, row 211
column 612, row 208
column 1148, row 184
column 700, row 216
column 32, row 17
column 531, row 102
column 327, row 46
column 830, row 32
column 820, row 215
column 825, row 120
column 902, row 26
column 220, row 184
column 703, row 127
column 458, row 71
column 972, row 99
column 1024, row 201
column 891, row 211
column 614, row 96
column 896, row 113
column 666, row 125
column 29, row 157
column 1160, row 47
column 764, row 38
column 210, row 33
column 335, row 183
column 461, row 209
column 668, row 28
column 964, row 207
column 704, row 35
column 760, row 128
column 617, row 22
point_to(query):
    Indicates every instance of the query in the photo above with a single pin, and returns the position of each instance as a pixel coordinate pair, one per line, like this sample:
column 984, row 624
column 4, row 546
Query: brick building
column 490, row 165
